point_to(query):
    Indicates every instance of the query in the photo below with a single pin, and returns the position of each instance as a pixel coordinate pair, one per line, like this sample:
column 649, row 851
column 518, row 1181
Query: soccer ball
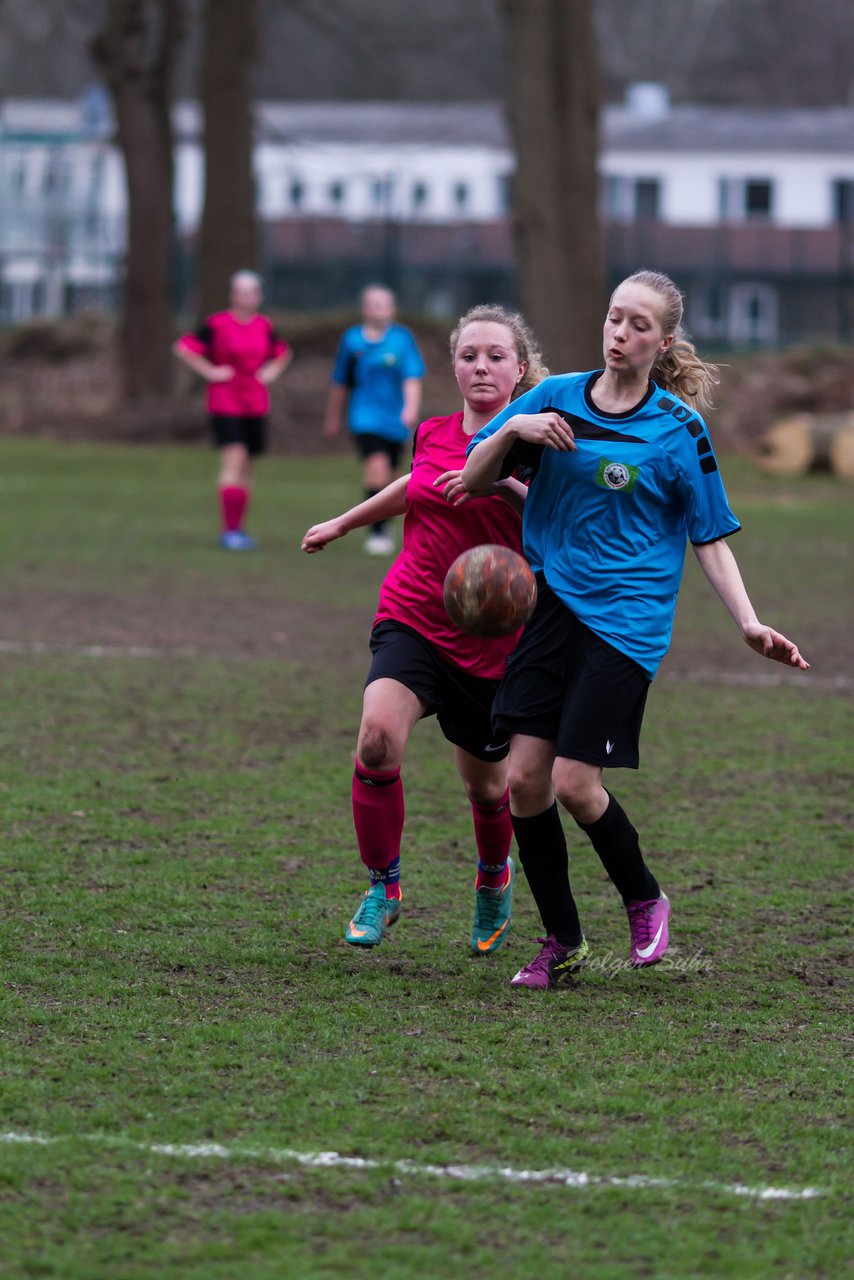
column 490, row 591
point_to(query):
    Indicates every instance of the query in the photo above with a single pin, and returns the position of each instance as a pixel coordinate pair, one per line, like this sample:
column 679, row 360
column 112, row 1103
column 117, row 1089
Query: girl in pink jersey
column 239, row 354
column 422, row 665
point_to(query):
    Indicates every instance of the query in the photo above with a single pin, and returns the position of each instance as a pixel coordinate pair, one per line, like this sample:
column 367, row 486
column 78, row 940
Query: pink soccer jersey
column 246, row 346
column 434, row 534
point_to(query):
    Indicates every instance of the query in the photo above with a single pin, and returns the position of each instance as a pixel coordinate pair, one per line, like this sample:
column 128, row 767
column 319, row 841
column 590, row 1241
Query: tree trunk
column 554, row 102
column 136, row 51
column 228, row 240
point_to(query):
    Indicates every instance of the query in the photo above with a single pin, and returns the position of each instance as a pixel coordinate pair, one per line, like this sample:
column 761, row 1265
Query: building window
column 740, row 199
column 17, row 175
column 753, row 315
column 57, row 175
column 757, row 199
column 296, row 194
column 843, row 200
column 631, row 199
column 647, row 196
column 708, row 319
column 336, row 194
column 505, row 193
column 461, row 195
column 420, row 192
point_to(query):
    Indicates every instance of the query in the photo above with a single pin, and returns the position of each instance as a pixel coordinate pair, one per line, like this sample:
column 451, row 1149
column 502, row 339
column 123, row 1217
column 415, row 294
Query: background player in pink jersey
column 238, row 353
column 421, row 664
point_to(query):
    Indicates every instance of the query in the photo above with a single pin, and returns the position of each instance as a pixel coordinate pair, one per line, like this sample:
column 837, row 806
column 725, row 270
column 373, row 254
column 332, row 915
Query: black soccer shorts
column 565, row 684
column 251, row 432
column 462, row 703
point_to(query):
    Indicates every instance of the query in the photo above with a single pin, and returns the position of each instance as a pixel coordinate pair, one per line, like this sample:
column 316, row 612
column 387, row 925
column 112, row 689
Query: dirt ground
column 268, row 628
column 61, row 380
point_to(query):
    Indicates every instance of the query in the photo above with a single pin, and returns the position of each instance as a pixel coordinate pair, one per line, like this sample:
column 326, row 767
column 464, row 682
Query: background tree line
column 566, row 55
column 759, row 52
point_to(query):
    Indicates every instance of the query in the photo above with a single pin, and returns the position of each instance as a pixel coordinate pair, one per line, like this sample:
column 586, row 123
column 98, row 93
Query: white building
column 691, row 168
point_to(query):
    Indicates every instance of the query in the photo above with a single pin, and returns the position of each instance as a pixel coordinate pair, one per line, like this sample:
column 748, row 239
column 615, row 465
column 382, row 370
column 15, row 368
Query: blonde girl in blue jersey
column 624, row 475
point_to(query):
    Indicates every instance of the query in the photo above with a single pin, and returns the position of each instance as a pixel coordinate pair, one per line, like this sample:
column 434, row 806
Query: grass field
column 183, row 1030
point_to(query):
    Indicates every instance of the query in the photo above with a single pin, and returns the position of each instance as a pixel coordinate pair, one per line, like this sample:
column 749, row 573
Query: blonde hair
column 678, row 369
column 523, row 340
column 246, row 277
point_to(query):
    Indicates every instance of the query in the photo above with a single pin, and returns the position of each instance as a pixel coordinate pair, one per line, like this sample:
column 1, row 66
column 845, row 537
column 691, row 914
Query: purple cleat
column 553, row 963
column 648, row 925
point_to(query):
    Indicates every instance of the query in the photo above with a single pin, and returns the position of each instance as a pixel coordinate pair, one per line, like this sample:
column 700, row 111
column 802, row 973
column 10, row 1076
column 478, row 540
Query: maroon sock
column 493, row 832
column 233, row 501
column 378, row 819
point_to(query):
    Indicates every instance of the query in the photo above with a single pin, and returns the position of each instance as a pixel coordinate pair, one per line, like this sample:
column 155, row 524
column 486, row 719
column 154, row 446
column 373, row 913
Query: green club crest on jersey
column 616, row 475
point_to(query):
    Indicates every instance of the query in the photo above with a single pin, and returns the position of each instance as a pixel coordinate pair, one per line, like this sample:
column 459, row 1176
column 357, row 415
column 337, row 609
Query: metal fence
column 750, row 285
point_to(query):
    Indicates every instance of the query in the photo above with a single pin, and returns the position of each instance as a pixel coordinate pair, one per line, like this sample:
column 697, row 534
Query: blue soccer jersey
column 608, row 522
column 374, row 373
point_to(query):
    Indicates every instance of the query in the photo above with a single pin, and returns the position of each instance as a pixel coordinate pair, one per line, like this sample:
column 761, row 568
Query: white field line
column 97, row 650
column 411, row 1168
column 706, row 675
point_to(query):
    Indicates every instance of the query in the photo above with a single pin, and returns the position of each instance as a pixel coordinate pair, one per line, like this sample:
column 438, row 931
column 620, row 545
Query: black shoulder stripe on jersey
column 682, row 414
column 586, row 430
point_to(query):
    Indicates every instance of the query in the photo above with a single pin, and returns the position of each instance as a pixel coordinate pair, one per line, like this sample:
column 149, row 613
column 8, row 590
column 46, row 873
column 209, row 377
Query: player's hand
column 331, row 427
column 320, row 535
column 771, row 644
column 220, row 373
column 548, row 429
column 453, row 489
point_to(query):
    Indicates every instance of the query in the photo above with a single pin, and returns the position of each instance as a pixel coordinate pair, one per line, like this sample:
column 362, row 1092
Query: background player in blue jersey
column 625, row 474
column 377, row 375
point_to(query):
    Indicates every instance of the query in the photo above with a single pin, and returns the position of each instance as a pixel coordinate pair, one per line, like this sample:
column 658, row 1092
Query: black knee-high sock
column 542, row 852
column 616, row 841
column 379, row 525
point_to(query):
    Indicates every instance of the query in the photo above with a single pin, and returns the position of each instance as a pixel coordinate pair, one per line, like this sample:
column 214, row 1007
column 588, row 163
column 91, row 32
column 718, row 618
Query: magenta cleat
column 554, row 963
column 648, row 925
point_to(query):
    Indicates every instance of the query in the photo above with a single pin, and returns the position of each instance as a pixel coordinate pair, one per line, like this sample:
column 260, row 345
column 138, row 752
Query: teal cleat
column 492, row 909
column 376, row 914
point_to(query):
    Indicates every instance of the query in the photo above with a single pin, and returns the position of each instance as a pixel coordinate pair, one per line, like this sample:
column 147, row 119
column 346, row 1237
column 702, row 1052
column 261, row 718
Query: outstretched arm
column 389, row 502
column 719, row 565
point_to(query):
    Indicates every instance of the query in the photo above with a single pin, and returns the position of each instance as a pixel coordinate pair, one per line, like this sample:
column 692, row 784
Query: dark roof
column 452, row 123
column 702, row 128
column 684, row 127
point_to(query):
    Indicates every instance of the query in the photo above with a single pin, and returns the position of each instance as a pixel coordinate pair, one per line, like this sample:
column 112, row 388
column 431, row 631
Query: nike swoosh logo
column 357, row 933
column 484, row 946
column 647, row 951
column 609, row 746
column 500, row 746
